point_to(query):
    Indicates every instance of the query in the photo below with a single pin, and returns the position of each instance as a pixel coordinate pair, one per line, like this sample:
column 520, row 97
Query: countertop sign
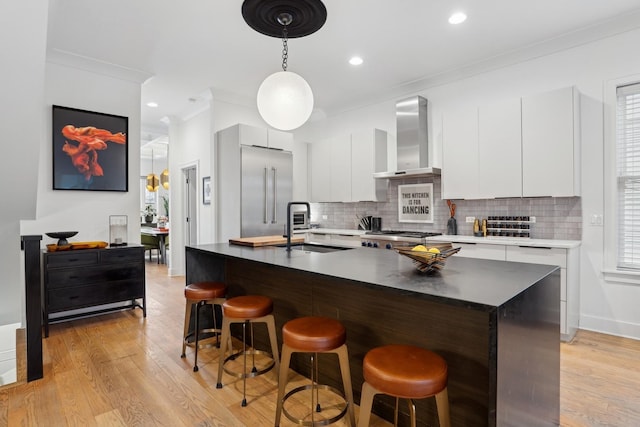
column 415, row 203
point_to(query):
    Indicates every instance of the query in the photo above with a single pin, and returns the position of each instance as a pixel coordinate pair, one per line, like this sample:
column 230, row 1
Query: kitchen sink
column 313, row 247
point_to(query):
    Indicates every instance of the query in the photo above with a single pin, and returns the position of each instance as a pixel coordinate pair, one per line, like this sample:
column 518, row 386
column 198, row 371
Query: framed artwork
column 415, row 203
column 206, row 190
column 90, row 150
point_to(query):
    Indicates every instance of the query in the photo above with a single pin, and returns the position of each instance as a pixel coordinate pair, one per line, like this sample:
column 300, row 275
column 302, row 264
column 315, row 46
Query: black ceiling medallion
column 301, row 17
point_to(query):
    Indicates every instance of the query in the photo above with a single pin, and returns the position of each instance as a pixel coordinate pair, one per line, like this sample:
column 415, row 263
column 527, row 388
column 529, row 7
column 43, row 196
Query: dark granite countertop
column 479, row 282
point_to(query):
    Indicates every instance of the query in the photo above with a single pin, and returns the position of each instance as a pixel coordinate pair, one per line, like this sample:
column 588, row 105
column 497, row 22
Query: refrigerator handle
column 266, row 188
column 275, row 196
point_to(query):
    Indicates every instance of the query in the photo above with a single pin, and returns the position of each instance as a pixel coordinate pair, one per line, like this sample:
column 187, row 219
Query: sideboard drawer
column 65, row 277
column 100, row 293
column 71, row 259
column 121, row 255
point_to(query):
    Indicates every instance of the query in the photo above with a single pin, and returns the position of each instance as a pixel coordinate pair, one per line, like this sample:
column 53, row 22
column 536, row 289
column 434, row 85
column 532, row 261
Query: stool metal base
column 254, row 372
column 209, row 342
column 313, row 422
column 226, row 338
column 347, row 395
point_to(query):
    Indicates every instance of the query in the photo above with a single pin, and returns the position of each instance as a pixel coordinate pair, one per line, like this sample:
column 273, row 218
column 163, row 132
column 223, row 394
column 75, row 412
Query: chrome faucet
column 289, row 220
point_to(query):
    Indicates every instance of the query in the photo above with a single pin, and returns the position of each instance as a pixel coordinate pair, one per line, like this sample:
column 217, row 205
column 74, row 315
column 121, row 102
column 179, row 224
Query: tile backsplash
column 556, row 217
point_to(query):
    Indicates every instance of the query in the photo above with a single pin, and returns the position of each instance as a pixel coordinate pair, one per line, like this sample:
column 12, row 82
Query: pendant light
column 285, row 99
column 164, row 179
column 152, row 178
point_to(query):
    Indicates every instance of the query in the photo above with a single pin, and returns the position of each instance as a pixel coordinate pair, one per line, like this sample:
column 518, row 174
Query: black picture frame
column 206, row 190
column 90, row 150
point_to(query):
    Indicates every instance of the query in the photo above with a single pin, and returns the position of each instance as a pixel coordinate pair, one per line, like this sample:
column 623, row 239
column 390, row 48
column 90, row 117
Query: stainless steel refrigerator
column 266, row 188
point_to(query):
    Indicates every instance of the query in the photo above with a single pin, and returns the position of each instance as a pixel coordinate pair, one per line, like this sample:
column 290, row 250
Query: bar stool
column 315, row 335
column 247, row 310
column 200, row 294
column 408, row 372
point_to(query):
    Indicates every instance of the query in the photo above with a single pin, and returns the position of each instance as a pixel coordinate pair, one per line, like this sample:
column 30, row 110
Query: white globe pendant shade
column 285, row 100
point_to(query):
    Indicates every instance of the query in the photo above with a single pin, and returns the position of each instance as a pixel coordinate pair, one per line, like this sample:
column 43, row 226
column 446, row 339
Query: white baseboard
column 8, row 353
column 610, row 326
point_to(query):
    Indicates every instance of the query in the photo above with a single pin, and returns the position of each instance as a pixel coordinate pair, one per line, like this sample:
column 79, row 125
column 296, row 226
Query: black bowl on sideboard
column 62, row 236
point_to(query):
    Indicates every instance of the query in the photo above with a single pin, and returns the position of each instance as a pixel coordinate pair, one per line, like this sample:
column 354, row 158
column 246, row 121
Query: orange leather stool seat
column 248, row 309
column 200, row 294
column 406, row 372
column 315, row 335
column 205, row 290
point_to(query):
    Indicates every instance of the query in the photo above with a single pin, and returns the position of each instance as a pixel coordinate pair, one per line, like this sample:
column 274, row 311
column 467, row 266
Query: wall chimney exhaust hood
column 413, row 141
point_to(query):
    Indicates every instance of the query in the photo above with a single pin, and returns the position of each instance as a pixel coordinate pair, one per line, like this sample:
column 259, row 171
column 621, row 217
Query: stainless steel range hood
column 413, row 140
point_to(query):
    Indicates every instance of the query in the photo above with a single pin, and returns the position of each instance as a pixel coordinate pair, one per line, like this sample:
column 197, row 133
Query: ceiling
column 198, row 48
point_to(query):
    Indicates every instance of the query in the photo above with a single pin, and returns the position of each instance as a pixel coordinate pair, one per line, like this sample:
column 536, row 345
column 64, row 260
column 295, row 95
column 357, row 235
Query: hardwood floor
column 120, row 369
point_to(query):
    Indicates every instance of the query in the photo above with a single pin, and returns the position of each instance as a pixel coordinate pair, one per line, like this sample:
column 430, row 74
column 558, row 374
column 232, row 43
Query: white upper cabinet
column 525, row 147
column 270, row 138
column 342, row 168
column 368, row 155
column 551, row 144
column 460, row 154
column 319, row 160
column 500, row 150
column 279, row 139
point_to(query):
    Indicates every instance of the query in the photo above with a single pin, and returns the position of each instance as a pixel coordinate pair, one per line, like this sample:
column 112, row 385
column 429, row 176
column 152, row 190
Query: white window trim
column 611, row 272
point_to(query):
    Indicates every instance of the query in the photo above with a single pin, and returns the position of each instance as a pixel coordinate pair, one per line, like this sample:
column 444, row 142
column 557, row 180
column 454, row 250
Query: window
column 628, row 176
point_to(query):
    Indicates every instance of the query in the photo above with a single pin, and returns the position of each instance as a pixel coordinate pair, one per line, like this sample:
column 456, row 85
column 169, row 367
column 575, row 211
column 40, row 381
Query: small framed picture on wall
column 206, row 190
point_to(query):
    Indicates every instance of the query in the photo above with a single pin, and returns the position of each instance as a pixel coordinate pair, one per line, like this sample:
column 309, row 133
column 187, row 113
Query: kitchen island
column 496, row 323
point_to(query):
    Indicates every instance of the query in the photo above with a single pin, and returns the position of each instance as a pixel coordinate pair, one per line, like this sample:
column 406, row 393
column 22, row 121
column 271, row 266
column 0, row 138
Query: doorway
column 190, row 205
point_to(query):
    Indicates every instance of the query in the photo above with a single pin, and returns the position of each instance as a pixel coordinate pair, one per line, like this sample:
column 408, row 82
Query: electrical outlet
column 532, row 219
column 325, row 217
column 470, row 218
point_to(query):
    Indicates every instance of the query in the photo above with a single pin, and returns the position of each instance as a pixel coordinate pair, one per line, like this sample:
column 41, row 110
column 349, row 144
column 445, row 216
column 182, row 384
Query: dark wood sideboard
column 82, row 282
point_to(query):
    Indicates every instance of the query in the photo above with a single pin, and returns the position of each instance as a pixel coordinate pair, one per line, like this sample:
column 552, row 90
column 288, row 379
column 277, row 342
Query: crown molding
column 73, row 60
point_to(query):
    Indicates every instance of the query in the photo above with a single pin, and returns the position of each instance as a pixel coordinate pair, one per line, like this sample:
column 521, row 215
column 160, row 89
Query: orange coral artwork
column 89, row 150
column 84, row 154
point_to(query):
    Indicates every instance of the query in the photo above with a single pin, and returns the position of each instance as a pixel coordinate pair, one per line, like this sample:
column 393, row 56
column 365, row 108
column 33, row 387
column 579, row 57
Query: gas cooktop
column 404, row 233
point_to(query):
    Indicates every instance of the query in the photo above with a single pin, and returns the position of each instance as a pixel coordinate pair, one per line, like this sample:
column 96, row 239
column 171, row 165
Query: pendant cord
column 285, row 49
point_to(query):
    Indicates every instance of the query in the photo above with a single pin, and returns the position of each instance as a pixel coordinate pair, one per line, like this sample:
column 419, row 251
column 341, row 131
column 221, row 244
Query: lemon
column 434, row 250
column 420, row 248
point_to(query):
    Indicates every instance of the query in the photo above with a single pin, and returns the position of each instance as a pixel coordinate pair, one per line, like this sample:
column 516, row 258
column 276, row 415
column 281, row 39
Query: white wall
column 606, row 307
column 22, row 130
column 87, row 211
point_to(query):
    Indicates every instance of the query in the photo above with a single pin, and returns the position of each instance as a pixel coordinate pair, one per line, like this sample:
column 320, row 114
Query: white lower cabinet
column 345, row 240
column 567, row 259
column 569, row 262
column 481, row 251
column 333, row 239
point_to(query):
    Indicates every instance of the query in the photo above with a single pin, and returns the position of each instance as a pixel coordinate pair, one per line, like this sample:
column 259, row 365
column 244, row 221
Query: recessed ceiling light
column 356, row 60
column 457, row 18
column 152, row 104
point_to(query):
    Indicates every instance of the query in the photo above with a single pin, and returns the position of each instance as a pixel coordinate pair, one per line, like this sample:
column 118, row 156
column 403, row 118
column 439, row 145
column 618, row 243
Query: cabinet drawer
column 71, row 258
column 89, row 295
column 319, row 238
column 533, row 255
column 120, row 255
column 69, row 277
column 482, row 251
